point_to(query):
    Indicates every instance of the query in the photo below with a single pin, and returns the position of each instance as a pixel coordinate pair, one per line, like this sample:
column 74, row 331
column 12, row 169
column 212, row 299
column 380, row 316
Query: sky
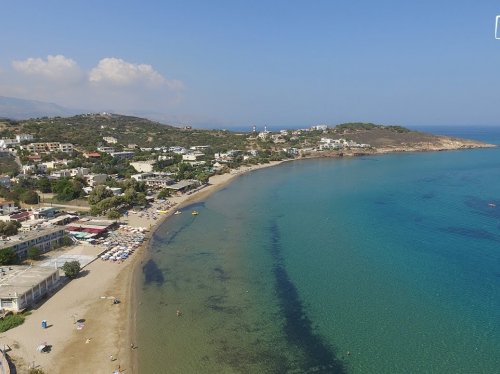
column 239, row 63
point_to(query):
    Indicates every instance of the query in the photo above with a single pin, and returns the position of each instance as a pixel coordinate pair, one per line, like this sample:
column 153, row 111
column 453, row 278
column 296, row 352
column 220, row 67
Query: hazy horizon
column 284, row 64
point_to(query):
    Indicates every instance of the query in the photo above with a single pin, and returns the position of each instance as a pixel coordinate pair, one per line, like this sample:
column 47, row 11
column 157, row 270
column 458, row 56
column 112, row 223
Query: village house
column 105, row 149
column 7, row 143
column 24, row 138
column 192, row 156
column 110, row 139
column 7, row 206
column 96, row 179
column 122, row 155
column 49, row 147
column 92, row 155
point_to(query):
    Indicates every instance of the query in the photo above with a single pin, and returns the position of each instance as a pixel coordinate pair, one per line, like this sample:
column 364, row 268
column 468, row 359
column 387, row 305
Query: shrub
column 11, row 321
column 71, row 269
column 34, row 253
column 7, row 256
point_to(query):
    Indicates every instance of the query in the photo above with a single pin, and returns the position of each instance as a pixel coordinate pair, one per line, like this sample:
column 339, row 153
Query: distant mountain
column 18, row 109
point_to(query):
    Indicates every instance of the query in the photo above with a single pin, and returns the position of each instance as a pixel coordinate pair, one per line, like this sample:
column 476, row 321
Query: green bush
column 7, row 256
column 34, row 253
column 11, row 321
column 36, row 371
column 71, row 269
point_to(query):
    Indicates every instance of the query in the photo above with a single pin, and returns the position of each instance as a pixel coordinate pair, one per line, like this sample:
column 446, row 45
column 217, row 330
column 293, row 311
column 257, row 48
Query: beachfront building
column 44, row 240
column 90, row 228
column 156, row 180
column 183, row 186
column 22, row 286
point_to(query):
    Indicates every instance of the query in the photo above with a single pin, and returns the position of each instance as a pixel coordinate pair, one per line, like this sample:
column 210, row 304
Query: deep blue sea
column 380, row 264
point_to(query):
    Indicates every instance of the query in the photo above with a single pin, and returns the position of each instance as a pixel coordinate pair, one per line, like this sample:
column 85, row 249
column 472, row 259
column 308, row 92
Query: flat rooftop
column 33, row 234
column 20, row 279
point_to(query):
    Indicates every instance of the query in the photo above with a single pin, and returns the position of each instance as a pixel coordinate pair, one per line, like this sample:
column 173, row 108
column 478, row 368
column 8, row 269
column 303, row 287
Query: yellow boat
column 194, row 213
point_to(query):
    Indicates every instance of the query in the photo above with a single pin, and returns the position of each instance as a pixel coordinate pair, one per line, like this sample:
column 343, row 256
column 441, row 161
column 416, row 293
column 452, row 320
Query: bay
column 363, row 265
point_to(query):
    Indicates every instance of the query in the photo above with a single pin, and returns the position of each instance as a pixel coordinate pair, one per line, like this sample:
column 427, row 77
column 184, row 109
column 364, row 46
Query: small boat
column 178, row 212
column 492, row 205
column 194, row 213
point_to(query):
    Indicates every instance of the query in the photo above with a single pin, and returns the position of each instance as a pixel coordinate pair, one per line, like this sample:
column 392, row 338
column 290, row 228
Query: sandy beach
column 105, row 344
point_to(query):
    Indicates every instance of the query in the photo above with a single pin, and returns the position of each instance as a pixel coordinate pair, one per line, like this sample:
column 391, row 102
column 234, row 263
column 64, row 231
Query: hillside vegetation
column 88, row 131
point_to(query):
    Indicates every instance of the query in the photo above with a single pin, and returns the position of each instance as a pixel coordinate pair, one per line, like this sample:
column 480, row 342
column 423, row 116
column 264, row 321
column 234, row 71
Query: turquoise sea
column 382, row 264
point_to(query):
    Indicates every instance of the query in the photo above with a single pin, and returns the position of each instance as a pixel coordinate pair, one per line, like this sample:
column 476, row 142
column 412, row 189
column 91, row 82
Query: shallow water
column 364, row 265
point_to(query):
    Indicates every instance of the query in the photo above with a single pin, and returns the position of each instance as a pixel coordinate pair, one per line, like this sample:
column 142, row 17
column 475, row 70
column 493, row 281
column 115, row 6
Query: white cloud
column 56, row 67
column 113, row 84
column 118, row 72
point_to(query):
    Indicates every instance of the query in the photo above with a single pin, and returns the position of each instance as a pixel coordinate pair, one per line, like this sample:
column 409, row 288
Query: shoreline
column 114, row 334
column 109, row 330
column 180, row 202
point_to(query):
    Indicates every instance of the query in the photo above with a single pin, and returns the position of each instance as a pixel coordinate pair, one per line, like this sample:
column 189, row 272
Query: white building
column 24, row 137
column 122, row 155
column 319, row 127
column 44, row 240
column 178, row 150
column 65, row 173
column 7, row 206
column 200, row 148
column 192, row 156
column 7, row 143
column 110, row 139
column 106, row 149
column 154, row 180
column 22, row 286
column 96, row 179
column 79, row 172
column 66, row 147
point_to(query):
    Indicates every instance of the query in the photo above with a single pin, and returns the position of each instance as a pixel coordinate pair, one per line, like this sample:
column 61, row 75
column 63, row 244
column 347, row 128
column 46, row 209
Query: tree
column 66, row 241
column 99, row 193
column 164, row 193
column 7, row 256
column 129, row 195
column 34, row 253
column 113, row 214
column 67, row 189
column 29, row 197
column 44, row 185
column 71, row 269
column 9, row 228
